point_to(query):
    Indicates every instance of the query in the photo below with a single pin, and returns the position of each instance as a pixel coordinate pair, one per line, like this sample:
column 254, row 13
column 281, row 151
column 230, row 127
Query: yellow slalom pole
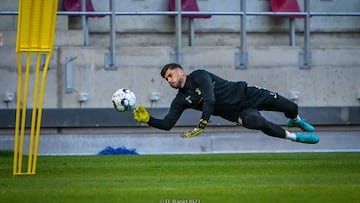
column 24, row 107
column 41, row 102
column 17, row 121
column 33, row 116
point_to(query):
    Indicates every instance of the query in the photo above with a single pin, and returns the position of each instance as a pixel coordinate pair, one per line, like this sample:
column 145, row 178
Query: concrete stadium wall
column 144, row 45
column 152, row 142
column 332, row 81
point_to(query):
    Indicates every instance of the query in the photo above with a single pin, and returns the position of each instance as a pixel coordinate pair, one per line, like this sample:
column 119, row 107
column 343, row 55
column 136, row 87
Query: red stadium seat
column 285, row 6
column 188, row 5
column 75, row 5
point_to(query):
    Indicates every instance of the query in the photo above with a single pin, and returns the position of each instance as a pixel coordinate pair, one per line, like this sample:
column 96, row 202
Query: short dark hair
column 170, row 66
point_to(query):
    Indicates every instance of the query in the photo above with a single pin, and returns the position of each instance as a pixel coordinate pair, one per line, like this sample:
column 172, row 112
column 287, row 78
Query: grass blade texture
column 278, row 177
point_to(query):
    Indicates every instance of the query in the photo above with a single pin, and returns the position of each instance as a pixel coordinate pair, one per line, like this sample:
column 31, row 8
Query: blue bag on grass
column 118, row 151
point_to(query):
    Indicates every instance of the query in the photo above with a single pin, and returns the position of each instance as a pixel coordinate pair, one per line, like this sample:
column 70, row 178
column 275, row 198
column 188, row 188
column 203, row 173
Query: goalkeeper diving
column 237, row 102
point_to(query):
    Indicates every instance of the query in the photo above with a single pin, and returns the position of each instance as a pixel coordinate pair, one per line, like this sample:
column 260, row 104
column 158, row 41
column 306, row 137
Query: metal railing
column 241, row 56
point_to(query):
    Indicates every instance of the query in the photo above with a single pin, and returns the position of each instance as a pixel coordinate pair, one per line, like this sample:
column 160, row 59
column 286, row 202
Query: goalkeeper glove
column 141, row 114
column 196, row 131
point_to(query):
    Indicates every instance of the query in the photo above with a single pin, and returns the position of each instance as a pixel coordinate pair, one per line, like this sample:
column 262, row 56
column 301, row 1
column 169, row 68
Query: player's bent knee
column 253, row 122
column 292, row 111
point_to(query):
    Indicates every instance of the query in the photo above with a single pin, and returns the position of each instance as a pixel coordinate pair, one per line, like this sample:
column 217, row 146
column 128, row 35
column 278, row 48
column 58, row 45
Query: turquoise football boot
column 307, row 138
column 305, row 126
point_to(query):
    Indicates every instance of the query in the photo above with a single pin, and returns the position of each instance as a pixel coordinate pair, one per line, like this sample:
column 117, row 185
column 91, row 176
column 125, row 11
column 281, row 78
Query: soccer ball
column 124, row 100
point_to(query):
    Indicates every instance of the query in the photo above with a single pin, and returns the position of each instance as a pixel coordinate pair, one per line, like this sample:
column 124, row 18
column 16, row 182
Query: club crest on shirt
column 198, row 91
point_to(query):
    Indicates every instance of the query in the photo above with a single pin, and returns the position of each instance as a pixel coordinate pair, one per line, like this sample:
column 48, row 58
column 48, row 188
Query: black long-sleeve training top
column 206, row 92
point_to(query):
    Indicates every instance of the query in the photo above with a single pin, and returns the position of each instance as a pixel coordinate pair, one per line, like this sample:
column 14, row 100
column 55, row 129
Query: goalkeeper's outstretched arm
column 142, row 115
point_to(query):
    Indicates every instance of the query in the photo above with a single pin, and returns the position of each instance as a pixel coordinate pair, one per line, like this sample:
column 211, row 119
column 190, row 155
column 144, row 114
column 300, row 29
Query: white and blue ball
column 124, row 100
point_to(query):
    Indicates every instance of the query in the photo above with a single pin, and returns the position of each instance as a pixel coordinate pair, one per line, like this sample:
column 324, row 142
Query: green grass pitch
column 269, row 177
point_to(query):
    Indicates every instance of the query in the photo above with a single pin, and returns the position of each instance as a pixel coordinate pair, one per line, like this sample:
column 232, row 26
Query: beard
column 177, row 84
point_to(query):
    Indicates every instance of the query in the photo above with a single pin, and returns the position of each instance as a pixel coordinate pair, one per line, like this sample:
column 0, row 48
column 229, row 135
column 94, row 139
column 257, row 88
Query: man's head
column 174, row 74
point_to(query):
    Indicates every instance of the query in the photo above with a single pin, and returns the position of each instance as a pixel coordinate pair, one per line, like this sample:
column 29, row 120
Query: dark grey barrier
column 108, row 117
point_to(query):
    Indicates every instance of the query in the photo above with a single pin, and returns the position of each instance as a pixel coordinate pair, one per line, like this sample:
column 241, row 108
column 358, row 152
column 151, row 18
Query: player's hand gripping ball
column 124, row 100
